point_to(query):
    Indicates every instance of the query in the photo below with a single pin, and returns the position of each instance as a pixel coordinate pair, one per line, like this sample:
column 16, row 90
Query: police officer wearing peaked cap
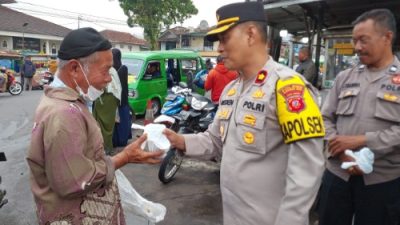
column 268, row 127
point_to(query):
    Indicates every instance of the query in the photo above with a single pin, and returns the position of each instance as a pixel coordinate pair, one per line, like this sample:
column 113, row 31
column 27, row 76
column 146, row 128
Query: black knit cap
column 230, row 15
column 82, row 42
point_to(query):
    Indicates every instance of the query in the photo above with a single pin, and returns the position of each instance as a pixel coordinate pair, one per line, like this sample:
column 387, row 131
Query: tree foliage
column 152, row 15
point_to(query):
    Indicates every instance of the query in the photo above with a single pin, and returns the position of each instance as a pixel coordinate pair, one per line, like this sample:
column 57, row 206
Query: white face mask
column 92, row 92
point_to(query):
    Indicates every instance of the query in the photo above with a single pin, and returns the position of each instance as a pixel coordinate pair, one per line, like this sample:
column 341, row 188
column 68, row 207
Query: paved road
column 193, row 198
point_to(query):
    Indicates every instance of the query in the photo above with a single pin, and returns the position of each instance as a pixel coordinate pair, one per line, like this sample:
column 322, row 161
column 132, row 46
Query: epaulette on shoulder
column 284, row 72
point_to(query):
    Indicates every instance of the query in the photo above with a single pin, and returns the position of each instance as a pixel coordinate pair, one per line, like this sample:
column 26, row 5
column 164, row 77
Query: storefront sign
column 30, row 44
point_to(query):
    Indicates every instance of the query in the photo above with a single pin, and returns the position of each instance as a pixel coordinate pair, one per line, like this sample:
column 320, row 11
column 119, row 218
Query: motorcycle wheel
column 169, row 166
column 15, row 88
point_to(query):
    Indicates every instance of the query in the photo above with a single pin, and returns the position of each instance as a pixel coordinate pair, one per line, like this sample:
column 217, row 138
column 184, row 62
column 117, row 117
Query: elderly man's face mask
column 92, row 92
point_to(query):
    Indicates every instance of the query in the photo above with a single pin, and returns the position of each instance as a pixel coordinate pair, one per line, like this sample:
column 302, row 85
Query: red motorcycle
column 13, row 86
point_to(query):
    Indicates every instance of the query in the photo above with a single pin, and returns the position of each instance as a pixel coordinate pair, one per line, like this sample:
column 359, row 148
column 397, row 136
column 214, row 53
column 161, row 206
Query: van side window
column 172, row 72
column 189, row 69
column 152, row 71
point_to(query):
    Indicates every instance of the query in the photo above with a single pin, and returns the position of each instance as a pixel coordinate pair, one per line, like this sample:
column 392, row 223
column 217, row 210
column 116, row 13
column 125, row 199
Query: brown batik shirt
column 72, row 180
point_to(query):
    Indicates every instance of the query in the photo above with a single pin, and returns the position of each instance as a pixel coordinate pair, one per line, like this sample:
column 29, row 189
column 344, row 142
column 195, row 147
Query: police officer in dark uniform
column 363, row 110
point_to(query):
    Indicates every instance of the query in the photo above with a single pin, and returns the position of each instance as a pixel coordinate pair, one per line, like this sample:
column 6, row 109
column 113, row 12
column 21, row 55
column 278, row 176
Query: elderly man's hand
column 339, row 144
column 176, row 140
column 136, row 155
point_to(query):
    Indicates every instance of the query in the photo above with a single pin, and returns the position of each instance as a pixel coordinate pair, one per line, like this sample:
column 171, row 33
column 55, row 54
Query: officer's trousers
column 339, row 201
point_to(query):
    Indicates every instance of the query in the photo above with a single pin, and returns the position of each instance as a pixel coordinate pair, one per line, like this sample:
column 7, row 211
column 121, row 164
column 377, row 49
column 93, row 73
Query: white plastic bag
column 133, row 203
column 156, row 140
column 364, row 159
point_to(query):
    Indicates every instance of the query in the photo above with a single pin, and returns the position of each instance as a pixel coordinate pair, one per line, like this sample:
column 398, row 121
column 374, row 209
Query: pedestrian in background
column 122, row 130
column 27, row 71
column 218, row 78
column 306, row 66
column 270, row 170
column 72, row 180
column 362, row 110
column 209, row 64
column 105, row 110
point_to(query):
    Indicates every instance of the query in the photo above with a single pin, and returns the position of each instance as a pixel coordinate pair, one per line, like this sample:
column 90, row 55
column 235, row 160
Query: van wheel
column 156, row 106
column 132, row 114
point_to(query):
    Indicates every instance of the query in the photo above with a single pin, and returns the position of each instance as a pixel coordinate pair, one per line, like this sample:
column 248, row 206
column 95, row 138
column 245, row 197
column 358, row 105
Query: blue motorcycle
column 174, row 104
column 194, row 119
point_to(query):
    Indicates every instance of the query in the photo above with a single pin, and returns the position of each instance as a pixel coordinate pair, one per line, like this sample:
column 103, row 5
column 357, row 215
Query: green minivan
column 151, row 73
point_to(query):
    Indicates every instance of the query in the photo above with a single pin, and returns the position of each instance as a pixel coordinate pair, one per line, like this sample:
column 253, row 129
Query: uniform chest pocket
column 388, row 107
column 347, row 101
column 251, row 132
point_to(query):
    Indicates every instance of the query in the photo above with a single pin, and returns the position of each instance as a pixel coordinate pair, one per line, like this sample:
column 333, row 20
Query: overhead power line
column 65, row 14
column 71, row 12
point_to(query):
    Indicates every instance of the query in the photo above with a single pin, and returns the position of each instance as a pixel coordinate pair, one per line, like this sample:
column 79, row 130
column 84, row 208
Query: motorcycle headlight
column 133, row 93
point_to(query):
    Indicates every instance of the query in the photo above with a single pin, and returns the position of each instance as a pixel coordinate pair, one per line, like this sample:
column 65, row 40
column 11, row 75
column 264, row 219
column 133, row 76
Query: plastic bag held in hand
column 156, row 140
column 133, row 203
column 364, row 159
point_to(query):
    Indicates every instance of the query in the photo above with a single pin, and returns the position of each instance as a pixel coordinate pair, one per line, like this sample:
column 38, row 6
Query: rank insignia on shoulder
column 250, row 120
column 390, row 97
column 396, row 79
column 231, row 92
column 248, row 138
column 258, row 94
column 261, row 77
column 293, row 94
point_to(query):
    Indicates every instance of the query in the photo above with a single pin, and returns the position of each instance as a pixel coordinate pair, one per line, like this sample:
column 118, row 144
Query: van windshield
column 134, row 66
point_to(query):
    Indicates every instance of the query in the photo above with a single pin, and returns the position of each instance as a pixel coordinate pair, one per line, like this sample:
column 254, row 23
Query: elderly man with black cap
column 72, row 180
column 268, row 128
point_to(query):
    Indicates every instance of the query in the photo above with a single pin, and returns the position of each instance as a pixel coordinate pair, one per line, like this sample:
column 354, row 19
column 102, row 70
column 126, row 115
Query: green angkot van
column 151, row 73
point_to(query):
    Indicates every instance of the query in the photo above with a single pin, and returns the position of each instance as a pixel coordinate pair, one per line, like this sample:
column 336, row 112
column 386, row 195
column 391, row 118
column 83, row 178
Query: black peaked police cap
column 230, row 15
column 82, row 42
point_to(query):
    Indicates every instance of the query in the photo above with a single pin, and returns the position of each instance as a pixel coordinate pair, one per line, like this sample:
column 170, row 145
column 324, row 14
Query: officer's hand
column 354, row 170
column 340, row 143
column 176, row 140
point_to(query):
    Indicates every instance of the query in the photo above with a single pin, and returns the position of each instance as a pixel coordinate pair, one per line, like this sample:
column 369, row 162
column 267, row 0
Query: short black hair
column 382, row 17
column 305, row 49
column 262, row 28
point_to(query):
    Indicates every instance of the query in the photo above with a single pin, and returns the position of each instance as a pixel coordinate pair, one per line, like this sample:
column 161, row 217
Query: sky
column 105, row 14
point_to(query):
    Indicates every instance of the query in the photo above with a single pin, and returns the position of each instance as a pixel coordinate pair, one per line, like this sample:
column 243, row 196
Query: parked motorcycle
column 175, row 102
column 193, row 120
column 12, row 86
column 41, row 79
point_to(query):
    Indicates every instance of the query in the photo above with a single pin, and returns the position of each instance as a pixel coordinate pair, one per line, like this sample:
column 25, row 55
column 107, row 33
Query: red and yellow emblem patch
column 293, row 95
